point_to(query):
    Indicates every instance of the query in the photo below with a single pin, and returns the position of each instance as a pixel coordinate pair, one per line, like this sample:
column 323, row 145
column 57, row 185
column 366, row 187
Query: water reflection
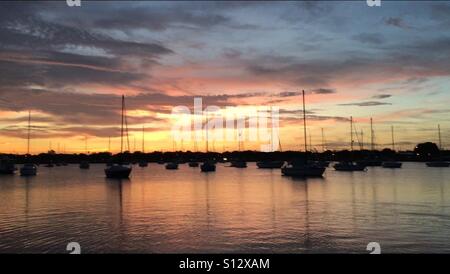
column 231, row 210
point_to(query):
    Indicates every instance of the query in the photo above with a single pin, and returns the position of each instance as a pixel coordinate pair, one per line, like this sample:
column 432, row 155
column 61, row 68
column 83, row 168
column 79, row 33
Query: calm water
column 232, row 210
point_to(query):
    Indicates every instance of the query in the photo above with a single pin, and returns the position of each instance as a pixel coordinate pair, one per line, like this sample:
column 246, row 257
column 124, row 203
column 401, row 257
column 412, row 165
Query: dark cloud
column 294, row 116
column 230, row 53
column 35, row 33
column 366, row 104
column 415, row 59
column 34, row 51
column 370, row 38
column 396, row 22
column 323, row 91
column 381, row 96
column 301, row 11
column 311, row 73
column 299, row 119
column 53, row 69
column 128, row 16
column 294, row 112
column 441, row 11
column 158, row 20
column 289, row 93
column 312, row 91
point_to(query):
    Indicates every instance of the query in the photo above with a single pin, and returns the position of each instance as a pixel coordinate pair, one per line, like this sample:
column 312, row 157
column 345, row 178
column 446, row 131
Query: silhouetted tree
column 427, row 150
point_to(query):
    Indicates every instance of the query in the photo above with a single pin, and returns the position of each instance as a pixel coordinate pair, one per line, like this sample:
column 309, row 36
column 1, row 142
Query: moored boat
column 392, row 164
column 7, row 166
column 372, row 162
column 350, row 166
column 28, row 170
column 303, row 168
column 120, row 170
column 172, row 166
column 438, row 164
column 193, row 164
column 238, row 164
column 269, row 164
column 208, row 166
column 84, row 165
column 143, row 164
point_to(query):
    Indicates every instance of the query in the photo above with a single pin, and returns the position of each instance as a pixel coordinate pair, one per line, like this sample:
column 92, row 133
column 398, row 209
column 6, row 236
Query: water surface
column 233, row 210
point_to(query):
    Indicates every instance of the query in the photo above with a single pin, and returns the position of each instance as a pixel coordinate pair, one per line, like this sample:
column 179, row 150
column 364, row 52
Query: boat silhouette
column 303, row 168
column 28, row 169
column 392, row 164
column 120, row 170
column 350, row 165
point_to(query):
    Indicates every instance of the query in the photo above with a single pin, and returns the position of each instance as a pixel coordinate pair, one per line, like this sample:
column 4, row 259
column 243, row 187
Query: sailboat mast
column 121, row 128
column 440, row 140
column 351, row 133
column 304, row 123
column 362, row 139
column 29, row 129
column 279, row 144
column 323, row 140
column 371, row 135
column 310, row 142
column 206, row 127
column 393, row 141
column 126, row 125
column 271, row 130
column 239, row 141
column 143, row 136
column 195, row 143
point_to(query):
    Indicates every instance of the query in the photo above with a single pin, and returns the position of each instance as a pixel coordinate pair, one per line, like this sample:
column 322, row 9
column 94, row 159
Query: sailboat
column 438, row 163
column 208, row 165
column 350, row 165
column 270, row 164
column 119, row 170
column 7, row 166
column 143, row 162
column 303, row 168
column 174, row 164
column 323, row 163
column 85, row 164
column 193, row 162
column 392, row 164
column 239, row 163
column 372, row 160
column 28, row 169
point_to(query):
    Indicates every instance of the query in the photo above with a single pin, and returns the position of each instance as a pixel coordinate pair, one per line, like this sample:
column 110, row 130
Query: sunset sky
column 70, row 66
